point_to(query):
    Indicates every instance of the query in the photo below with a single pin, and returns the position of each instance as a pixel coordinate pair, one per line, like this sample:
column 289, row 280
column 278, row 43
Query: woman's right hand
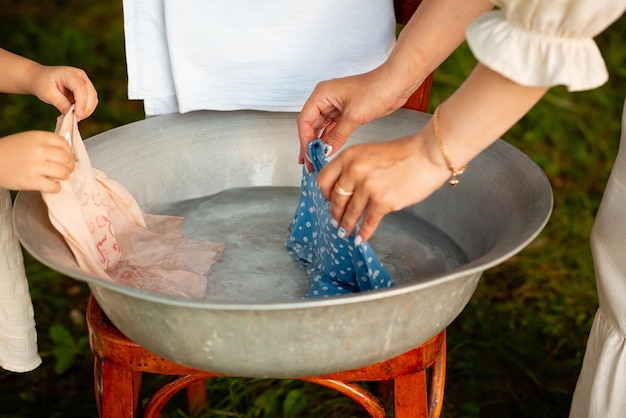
column 35, row 160
column 338, row 106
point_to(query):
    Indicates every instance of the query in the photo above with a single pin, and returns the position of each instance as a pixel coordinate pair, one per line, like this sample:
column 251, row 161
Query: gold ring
column 341, row 191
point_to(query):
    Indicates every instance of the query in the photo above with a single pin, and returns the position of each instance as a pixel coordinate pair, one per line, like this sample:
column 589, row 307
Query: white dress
column 547, row 43
column 18, row 337
column 185, row 55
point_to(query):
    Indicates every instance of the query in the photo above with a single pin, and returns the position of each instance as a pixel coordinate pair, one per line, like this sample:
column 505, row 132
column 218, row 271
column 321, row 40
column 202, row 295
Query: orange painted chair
column 416, row 378
column 120, row 363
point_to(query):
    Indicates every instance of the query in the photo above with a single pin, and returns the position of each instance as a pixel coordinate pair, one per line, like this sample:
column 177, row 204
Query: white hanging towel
column 186, row 55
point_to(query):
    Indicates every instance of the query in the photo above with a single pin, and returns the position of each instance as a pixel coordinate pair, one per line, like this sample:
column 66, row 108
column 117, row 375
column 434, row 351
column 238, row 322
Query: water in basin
column 254, row 223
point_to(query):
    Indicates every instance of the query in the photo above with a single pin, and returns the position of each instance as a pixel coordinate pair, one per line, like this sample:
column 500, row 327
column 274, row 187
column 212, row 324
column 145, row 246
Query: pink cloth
column 113, row 239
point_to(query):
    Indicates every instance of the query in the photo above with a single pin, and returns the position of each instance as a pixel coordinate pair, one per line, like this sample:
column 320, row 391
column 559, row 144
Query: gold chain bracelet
column 455, row 173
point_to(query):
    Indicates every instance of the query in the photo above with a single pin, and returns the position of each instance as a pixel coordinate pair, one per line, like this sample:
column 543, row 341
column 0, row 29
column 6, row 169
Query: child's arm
column 59, row 86
column 38, row 160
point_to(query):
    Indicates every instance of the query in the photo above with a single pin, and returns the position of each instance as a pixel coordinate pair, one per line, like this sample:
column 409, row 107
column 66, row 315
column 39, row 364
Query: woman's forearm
column 436, row 29
column 481, row 110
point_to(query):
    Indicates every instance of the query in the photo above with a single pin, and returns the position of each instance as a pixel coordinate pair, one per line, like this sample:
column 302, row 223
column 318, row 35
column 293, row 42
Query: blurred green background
column 516, row 349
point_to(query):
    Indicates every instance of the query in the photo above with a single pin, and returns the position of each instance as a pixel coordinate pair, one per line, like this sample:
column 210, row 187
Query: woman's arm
column 389, row 176
column 435, row 30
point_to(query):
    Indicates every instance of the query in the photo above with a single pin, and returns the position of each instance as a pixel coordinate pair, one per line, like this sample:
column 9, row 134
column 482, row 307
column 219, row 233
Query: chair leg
column 357, row 393
column 384, row 390
column 159, row 398
column 118, row 390
column 437, row 383
column 410, row 396
column 196, row 398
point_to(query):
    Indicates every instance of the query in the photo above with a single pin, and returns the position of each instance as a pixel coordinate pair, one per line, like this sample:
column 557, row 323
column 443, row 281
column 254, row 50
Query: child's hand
column 34, row 160
column 61, row 86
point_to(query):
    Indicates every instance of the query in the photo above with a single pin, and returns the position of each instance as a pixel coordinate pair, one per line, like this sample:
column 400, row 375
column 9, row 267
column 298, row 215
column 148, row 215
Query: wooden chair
column 416, row 378
column 120, row 363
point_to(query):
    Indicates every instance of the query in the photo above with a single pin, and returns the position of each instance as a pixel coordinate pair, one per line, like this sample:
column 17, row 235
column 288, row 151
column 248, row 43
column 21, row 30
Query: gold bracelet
column 455, row 173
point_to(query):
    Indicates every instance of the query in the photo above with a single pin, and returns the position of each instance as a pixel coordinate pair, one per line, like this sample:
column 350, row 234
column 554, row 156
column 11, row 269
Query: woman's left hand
column 370, row 180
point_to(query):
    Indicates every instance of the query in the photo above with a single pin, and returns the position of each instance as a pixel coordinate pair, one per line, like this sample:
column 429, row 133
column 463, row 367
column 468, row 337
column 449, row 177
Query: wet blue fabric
column 334, row 265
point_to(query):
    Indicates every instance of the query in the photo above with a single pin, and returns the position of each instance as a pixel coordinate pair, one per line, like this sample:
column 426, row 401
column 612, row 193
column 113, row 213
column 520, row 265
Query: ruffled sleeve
column 544, row 43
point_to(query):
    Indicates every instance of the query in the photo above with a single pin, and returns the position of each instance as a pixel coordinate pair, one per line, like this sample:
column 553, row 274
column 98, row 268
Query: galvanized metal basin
column 502, row 203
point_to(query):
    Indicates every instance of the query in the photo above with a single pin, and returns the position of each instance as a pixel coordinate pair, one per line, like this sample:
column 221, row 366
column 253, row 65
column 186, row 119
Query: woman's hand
column 389, row 176
column 34, row 160
column 62, row 86
column 338, row 106
column 370, row 180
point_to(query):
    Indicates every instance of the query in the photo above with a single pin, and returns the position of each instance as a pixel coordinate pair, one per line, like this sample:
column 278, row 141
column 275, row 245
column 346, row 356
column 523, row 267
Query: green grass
column 515, row 350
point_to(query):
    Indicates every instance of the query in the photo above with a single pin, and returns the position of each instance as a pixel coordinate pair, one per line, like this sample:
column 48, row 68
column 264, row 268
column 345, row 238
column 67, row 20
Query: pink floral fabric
column 113, row 239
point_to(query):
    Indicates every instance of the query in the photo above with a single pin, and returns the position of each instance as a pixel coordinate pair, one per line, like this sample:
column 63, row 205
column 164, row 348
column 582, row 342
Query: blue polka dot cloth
column 334, row 265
